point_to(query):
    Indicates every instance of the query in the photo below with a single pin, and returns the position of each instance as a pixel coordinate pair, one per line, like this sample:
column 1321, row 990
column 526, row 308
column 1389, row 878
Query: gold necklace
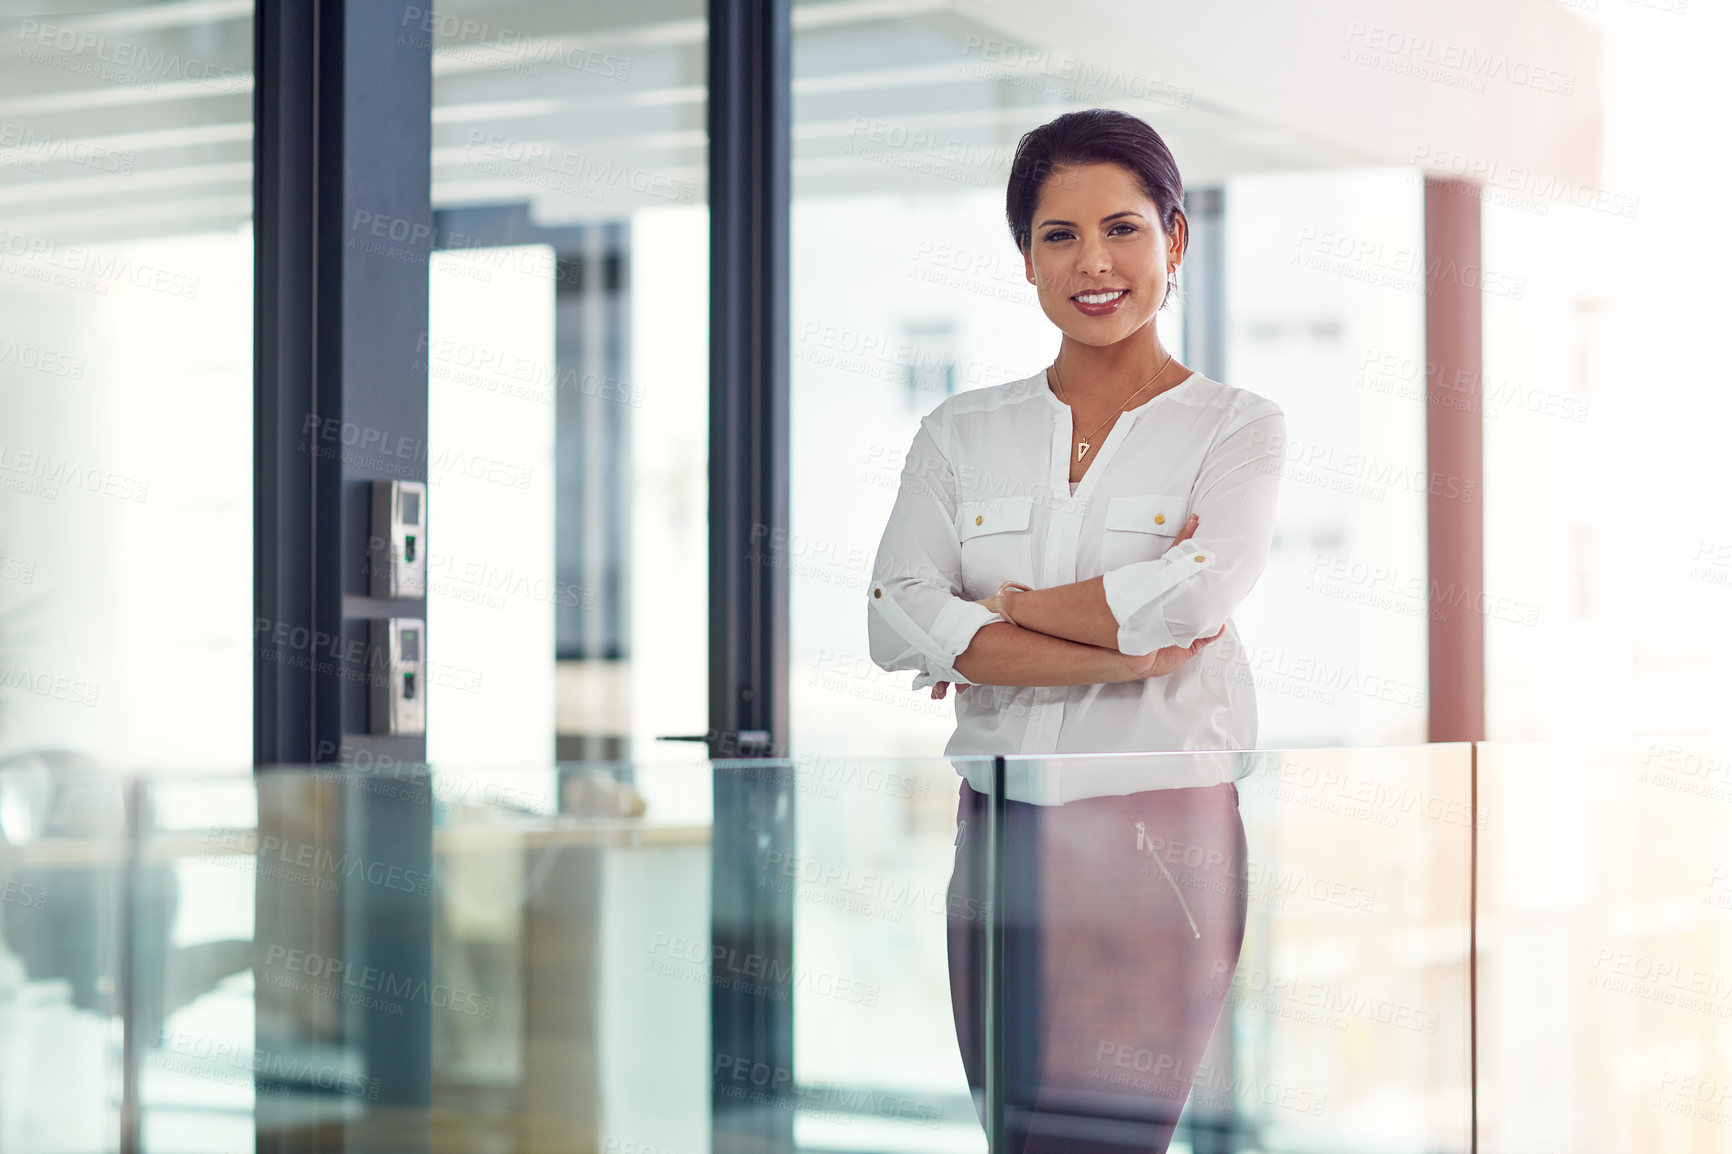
column 1083, row 446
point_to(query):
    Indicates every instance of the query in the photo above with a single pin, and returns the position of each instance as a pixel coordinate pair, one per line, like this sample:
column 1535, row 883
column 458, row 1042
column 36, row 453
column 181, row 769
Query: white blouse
column 985, row 497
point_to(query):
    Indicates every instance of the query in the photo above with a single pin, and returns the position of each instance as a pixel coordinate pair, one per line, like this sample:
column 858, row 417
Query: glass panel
column 880, row 923
column 125, row 362
column 1278, row 942
column 1605, row 971
column 529, row 946
column 63, row 881
column 568, row 370
column 586, row 956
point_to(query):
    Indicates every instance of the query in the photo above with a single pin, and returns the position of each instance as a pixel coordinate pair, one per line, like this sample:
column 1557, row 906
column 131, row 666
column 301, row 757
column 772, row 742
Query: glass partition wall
column 1222, row 951
column 567, row 365
column 126, row 286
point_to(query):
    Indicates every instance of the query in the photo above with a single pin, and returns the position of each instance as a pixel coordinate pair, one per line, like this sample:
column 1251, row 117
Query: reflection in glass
column 1277, row 961
column 1123, row 920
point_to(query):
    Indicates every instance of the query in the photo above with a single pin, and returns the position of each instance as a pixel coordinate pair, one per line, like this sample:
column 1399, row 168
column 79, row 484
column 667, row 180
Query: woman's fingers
column 939, row 690
column 1190, row 528
column 1196, row 646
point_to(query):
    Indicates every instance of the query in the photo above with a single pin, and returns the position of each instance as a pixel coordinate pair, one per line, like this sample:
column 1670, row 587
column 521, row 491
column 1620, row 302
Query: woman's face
column 1097, row 253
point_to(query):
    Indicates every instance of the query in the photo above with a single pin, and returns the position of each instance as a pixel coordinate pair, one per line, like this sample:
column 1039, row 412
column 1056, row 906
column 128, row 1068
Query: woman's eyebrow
column 1104, row 219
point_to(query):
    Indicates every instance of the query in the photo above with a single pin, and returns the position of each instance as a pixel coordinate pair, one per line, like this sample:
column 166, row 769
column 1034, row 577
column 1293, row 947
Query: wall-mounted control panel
column 397, row 664
column 399, row 555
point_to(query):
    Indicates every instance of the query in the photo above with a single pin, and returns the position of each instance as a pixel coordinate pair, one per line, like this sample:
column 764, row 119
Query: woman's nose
column 1093, row 260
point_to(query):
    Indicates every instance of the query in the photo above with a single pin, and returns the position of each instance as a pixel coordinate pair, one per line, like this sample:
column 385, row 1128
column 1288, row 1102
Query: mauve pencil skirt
column 1111, row 993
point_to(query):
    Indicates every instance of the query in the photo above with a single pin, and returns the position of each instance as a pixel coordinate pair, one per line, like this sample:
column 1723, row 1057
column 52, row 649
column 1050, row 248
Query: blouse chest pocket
column 996, row 543
column 1141, row 528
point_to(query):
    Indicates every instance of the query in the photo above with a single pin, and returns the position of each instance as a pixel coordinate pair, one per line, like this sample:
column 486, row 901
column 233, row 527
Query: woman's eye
column 1058, row 234
column 1129, row 228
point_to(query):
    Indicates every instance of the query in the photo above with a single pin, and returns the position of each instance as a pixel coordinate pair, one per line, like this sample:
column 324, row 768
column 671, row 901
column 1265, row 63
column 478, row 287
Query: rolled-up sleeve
column 916, row 616
column 1190, row 590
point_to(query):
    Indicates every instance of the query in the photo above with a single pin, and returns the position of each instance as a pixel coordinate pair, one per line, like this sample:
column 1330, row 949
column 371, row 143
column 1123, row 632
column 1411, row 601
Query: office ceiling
column 136, row 121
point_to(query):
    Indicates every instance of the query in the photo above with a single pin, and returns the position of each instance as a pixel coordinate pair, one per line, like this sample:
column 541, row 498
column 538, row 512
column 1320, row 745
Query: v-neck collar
column 1063, row 444
column 1052, row 398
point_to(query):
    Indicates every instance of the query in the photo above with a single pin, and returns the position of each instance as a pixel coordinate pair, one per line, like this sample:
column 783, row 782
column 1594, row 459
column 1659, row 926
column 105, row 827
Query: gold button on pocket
column 1199, row 557
column 996, row 541
column 877, row 592
column 1136, row 527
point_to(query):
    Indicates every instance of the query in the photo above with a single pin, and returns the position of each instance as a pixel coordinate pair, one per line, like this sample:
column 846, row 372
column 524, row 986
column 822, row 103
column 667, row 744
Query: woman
column 1064, row 549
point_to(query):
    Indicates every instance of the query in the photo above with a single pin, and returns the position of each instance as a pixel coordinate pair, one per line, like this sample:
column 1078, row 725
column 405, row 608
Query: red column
column 1455, row 523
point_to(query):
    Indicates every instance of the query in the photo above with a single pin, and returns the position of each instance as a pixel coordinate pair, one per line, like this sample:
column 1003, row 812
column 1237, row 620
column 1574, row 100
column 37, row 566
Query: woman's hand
column 1163, row 661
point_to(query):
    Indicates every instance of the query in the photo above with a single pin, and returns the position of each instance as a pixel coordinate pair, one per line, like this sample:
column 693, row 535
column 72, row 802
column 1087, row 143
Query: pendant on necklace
column 1081, row 449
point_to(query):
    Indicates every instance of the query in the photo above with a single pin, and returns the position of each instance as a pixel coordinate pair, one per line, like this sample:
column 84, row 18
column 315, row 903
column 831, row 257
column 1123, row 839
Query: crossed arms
column 1141, row 620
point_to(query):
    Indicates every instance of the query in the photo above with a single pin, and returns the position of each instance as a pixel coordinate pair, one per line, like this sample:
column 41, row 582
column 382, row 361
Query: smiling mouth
column 1105, row 296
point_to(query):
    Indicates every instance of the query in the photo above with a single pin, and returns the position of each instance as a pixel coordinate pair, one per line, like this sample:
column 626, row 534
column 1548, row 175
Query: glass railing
column 1258, row 951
